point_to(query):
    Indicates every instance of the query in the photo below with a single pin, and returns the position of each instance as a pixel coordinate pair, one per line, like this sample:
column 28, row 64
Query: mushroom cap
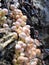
column 17, row 17
column 18, row 11
column 27, row 26
column 26, row 30
column 5, row 11
column 12, row 7
column 17, row 46
column 23, row 23
column 15, row 35
column 5, row 26
column 29, row 40
column 19, row 20
column 37, row 42
column 24, row 59
column 32, row 55
column 22, row 43
column 13, row 27
column 22, row 35
column 22, row 54
column 38, row 52
column 17, row 24
column 19, row 30
column 24, row 18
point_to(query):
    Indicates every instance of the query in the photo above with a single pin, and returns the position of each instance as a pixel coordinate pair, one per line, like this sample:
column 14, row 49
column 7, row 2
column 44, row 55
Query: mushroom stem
column 5, row 37
column 3, row 45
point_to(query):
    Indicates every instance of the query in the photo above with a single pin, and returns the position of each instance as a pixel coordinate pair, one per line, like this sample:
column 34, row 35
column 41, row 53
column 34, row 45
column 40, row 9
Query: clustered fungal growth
column 26, row 48
column 26, row 51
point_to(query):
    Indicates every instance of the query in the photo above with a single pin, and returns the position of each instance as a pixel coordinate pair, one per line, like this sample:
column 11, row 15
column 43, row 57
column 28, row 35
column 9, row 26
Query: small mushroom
column 22, row 36
column 22, row 54
column 22, row 44
column 19, row 30
column 17, row 17
column 37, row 42
column 5, row 26
column 5, row 11
column 26, row 30
column 17, row 24
column 38, row 52
column 24, row 18
column 27, row 26
column 19, row 20
column 13, row 28
column 23, row 24
column 12, row 7
column 22, row 59
column 29, row 40
column 19, row 12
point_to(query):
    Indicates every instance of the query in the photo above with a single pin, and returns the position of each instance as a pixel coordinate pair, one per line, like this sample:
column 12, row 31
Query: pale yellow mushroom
column 19, row 30
column 38, row 52
column 23, row 24
column 22, row 54
column 17, row 17
column 24, row 18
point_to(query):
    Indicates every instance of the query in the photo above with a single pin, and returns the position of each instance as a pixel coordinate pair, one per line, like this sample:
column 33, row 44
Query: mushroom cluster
column 25, row 49
column 17, row 13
